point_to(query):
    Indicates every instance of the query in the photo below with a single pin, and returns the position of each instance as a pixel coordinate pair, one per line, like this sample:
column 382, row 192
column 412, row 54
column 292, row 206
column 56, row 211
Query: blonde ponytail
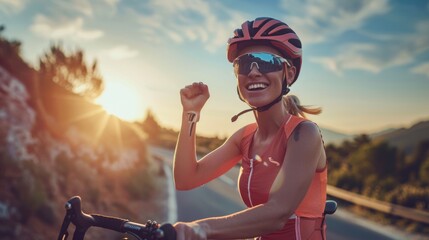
column 294, row 107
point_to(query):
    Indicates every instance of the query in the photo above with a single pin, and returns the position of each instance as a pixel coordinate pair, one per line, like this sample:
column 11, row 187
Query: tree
column 11, row 60
column 151, row 126
column 417, row 158
column 424, row 172
column 377, row 159
column 71, row 72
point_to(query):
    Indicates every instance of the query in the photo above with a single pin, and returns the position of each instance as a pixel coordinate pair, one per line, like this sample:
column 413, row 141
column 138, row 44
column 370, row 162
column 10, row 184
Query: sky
column 365, row 62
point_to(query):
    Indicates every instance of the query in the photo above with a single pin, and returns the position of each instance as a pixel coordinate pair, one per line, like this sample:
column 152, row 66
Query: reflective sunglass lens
column 265, row 63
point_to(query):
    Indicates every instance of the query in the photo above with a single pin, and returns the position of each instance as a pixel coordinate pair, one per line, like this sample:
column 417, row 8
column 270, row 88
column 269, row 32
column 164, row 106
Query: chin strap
column 285, row 90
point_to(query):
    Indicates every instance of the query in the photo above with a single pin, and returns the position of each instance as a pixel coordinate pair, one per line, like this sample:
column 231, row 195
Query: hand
column 193, row 97
column 189, row 231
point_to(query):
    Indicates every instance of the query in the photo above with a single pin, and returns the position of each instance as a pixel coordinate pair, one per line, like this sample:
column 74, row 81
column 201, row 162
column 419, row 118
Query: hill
column 406, row 138
column 382, row 132
column 45, row 160
column 403, row 138
column 55, row 145
column 334, row 137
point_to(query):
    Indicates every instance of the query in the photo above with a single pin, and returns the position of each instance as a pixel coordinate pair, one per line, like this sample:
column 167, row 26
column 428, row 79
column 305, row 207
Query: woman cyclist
column 283, row 164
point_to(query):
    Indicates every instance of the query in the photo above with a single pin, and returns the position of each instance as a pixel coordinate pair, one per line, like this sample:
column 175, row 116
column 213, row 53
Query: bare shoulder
column 306, row 144
column 239, row 134
column 236, row 137
column 306, row 131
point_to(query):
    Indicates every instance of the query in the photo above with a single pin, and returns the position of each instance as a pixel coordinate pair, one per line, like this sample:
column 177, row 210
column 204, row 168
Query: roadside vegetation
column 55, row 143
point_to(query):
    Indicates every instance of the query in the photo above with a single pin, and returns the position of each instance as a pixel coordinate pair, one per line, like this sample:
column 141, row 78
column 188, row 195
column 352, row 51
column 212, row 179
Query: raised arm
column 188, row 172
column 305, row 153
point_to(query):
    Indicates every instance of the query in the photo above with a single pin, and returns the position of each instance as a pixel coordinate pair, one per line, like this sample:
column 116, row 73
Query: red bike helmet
column 268, row 31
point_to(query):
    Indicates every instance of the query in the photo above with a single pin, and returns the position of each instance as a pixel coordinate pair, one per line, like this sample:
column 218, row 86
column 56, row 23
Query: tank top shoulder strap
column 249, row 129
column 291, row 124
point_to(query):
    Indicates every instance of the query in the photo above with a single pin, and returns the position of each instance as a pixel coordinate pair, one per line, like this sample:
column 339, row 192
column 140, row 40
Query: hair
column 294, row 107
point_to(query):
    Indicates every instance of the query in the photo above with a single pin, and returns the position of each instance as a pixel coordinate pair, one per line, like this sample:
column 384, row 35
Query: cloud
column 122, row 52
column 385, row 51
column 317, row 21
column 11, row 6
column 421, row 69
column 366, row 57
column 112, row 3
column 206, row 22
column 80, row 6
column 63, row 28
column 85, row 7
column 66, row 19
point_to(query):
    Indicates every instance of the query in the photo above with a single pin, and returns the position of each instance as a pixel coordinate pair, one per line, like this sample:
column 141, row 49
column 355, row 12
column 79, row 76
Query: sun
column 122, row 100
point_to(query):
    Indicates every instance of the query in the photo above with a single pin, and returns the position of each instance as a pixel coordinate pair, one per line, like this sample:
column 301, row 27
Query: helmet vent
column 295, row 42
column 279, row 32
column 252, row 30
column 255, row 26
column 238, row 33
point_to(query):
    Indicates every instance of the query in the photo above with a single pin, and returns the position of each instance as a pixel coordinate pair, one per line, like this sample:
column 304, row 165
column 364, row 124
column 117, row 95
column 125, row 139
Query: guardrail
column 397, row 210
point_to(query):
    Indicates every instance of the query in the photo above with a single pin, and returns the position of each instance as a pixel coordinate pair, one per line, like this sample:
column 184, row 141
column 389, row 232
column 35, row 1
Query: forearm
column 256, row 221
column 185, row 160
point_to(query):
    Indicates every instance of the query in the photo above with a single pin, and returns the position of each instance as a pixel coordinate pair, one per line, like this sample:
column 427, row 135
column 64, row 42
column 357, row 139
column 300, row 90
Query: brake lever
column 66, row 222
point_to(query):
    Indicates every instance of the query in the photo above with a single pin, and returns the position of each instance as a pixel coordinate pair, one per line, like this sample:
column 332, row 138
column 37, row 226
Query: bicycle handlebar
column 83, row 221
column 151, row 230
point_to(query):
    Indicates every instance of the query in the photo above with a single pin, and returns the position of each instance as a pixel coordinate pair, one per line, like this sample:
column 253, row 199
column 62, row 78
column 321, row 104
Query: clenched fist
column 193, row 97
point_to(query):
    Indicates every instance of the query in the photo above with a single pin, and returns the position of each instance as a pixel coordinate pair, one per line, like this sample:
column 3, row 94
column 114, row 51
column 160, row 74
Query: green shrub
column 30, row 195
column 410, row 196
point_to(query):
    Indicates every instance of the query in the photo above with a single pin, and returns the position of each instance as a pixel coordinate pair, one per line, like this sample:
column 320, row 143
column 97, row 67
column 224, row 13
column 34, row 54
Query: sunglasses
column 265, row 62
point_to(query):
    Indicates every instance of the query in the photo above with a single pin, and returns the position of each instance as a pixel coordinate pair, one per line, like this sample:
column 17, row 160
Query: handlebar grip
column 169, row 232
column 111, row 223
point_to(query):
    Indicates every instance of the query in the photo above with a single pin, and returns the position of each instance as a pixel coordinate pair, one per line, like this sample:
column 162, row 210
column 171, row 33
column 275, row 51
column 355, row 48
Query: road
column 220, row 197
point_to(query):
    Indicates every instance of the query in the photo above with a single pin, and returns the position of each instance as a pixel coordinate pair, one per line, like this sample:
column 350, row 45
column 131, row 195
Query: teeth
column 257, row 86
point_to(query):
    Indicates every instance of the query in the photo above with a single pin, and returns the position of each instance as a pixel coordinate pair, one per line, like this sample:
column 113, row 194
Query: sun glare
column 123, row 101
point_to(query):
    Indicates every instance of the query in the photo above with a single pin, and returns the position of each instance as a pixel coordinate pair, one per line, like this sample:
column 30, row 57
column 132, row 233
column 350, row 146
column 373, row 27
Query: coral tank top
column 257, row 173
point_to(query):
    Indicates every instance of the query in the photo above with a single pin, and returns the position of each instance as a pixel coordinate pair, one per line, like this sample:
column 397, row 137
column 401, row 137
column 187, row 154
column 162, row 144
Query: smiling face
column 258, row 89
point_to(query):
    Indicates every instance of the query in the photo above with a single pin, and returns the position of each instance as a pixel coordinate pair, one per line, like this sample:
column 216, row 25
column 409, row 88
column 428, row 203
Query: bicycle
column 149, row 231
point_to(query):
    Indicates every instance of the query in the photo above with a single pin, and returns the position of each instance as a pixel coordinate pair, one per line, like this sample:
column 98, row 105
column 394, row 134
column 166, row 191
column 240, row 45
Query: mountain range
column 403, row 138
column 334, row 137
column 406, row 138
